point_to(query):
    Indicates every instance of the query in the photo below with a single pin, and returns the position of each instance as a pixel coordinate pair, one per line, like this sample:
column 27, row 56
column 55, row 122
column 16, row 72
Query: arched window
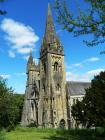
column 32, row 107
column 56, row 66
column 58, row 87
column 44, row 87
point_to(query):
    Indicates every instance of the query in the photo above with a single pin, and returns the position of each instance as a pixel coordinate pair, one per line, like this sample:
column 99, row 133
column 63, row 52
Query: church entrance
column 62, row 124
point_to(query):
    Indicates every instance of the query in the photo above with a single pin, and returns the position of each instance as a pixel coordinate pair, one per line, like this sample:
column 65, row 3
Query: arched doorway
column 62, row 124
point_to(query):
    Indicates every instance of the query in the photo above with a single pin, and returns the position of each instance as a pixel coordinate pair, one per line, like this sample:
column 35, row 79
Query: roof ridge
column 78, row 82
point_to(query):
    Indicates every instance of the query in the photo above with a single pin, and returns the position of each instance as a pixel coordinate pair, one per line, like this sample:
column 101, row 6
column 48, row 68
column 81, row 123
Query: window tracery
column 56, row 66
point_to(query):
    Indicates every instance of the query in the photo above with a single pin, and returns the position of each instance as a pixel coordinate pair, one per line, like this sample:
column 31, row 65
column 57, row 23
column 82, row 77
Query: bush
column 32, row 124
column 10, row 128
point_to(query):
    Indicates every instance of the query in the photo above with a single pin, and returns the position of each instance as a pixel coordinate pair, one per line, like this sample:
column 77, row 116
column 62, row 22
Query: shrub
column 32, row 124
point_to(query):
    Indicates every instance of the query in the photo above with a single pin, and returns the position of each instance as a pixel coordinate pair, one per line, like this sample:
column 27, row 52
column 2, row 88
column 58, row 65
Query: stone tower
column 45, row 95
column 30, row 109
column 52, row 95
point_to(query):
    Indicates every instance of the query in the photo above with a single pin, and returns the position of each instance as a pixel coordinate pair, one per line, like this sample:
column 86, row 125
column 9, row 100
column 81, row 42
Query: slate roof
column 77, row 88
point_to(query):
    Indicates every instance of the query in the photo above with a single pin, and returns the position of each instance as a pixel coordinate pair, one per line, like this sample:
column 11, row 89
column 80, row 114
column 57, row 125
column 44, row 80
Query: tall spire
column 50, row 30
column 30, row 59
column 50, row 41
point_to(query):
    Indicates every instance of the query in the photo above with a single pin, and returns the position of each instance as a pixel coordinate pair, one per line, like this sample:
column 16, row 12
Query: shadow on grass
column 84, row 134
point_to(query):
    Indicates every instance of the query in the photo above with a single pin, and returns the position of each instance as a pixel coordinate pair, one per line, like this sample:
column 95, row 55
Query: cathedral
column 48, row 96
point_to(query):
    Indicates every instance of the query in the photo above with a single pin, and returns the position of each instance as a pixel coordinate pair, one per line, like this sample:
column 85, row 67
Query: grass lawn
column 52, row 134
column 30, row 134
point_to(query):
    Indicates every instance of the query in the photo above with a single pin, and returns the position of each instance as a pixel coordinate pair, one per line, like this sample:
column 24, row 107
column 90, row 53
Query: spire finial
column 30, row 52
column 49, row 9
column 30, row 59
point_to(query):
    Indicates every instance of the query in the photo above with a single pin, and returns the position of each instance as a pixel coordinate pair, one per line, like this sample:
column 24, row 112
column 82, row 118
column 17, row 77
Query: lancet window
column 56, row 66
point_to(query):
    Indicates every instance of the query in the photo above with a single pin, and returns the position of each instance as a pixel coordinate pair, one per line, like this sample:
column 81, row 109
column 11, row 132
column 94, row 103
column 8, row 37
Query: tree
column 18, row 103
column 78, row 113
column 2, row 12
column 91, row 21
column 91, row 110
column 10, row 106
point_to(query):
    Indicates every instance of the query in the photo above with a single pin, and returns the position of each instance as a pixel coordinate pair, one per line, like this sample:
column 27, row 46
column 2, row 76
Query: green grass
column 52, row 134
column 2, row 135
column 29, row 134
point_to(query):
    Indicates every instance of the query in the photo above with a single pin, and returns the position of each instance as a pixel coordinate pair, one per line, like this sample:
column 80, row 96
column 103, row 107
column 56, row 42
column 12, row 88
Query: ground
column 29, row 134
column 52, row 134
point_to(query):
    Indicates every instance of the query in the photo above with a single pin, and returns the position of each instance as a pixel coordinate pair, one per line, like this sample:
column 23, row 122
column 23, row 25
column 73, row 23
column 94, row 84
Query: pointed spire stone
column 49, row 10
column 50, row 41
column 50, row 29
column 30, row 59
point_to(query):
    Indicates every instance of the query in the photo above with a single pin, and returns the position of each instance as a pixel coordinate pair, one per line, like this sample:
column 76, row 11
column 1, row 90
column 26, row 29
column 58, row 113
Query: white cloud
column 20, row 74
column 75, row 65
column 79, row 65
column 93, row 59
column 77, row 77
column 11, row 54
column 22, row 38
column 85, row 77
column 26, row 57
column 5, row 76
column 95, row 72
column 24, row 50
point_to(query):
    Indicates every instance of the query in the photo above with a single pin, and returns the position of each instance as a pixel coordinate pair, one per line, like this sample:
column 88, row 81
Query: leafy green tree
column 18, row 103
column 91, row 21
column 91, row 110
column 10, row 106
column 4, row 100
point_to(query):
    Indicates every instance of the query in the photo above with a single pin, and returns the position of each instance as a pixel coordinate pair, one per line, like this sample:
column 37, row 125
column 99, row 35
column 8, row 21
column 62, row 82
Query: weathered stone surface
column 47, row 97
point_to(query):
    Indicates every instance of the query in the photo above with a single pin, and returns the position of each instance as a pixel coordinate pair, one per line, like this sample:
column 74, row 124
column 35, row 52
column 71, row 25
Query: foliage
column 2, row 12
column 56, row 134
column 89, row 21
column 32, row 124
column 18, row 101
column 10, row 106
column 91, row 110
column 78, row 113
